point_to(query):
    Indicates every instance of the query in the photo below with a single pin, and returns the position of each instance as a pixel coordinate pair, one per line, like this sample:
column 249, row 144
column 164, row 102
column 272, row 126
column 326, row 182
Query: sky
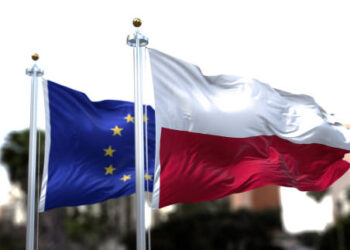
column 299, row 46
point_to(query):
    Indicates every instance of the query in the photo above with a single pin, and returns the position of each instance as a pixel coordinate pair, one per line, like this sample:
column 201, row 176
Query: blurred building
column 340, row 192
column 14, row 210
column 257, row 199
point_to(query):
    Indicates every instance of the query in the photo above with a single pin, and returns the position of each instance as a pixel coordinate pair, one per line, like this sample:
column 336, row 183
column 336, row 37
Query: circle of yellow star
column 125, row 178
column 109, row 151
column 129, row 118
column 117, row 131
column 148, row 177
column 109, row 170
column 145, row 118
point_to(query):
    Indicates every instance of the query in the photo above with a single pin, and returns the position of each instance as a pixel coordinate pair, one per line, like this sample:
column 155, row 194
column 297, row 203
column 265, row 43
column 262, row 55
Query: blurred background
column 298, row 46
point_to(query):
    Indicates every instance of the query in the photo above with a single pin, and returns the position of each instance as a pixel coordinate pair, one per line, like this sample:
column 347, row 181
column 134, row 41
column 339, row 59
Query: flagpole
column 34, row 73
column 137, row 40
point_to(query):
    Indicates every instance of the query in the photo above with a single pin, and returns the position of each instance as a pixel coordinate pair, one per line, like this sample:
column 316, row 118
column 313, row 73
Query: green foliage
column 98, row 223
column 318, row 195
column 222, row 230
column 337, row 236
column 11, row 237
column 14, row 154
column 216, row 206
column 84, row 228
column 309, row 239
column 348, row 194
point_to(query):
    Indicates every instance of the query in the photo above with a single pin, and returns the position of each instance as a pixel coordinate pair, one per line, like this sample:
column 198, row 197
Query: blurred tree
column 309, row 238
column 337, row 236
column 98, row 223
column 348, row 194
column 215, row 206
column 318, row 195
column 11, row 238
column 14, row 155
column 219, row 230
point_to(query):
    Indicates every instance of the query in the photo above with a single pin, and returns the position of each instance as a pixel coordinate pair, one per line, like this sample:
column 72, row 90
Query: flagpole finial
column 35, row 70
column 132, row 39
column 137, row 22
column 35, row 57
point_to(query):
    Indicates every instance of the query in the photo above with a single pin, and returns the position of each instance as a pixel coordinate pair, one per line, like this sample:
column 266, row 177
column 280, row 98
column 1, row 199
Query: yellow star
column 145, row 118
column 125, row 178
column 109, row 170
column 148, row 177
column 117, row 131
column 129, row 118
column 109, row 151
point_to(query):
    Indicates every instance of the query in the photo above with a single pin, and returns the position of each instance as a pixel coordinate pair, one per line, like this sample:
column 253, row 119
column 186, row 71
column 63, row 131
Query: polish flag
column 218, row 135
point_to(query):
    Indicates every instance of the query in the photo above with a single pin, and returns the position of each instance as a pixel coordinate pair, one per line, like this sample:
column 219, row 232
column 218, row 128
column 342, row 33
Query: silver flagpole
column 34, row 73
column 137, row 40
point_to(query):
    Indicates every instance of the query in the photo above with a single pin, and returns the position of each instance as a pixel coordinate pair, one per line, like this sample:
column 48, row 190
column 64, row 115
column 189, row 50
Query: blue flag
column 89, row 149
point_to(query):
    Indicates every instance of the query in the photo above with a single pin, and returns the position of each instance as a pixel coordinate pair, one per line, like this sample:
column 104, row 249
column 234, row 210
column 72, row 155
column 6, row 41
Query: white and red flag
column 218, row 135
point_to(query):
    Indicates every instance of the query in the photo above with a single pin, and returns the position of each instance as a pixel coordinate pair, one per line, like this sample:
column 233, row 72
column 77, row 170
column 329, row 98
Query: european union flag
column 90, row 153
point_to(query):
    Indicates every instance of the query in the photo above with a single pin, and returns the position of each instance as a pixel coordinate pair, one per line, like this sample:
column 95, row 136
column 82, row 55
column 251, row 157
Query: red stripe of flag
column 198, row 167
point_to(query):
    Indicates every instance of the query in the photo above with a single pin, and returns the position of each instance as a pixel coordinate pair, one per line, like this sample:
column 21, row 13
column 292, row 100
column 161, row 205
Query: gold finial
column 35, row 57
column 137, row 22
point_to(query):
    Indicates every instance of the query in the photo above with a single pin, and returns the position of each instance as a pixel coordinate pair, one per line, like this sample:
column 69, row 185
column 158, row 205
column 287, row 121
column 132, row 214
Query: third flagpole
column 137, row 40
